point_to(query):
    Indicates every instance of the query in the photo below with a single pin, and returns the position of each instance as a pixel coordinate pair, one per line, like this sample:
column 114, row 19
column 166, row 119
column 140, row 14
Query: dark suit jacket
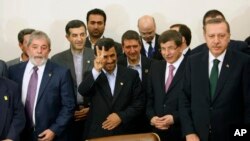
column 55, row 103
column 157, row 54
column 127, row 101
column 233, row 44
column 3, row 69
column 12, row 119
column 118, row 46
column 65, row 59
column 142, row 123
column 231, row 104
column 160, row 103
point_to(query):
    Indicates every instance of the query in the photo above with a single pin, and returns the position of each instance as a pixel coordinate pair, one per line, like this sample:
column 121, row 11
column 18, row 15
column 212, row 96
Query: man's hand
column 192, row 137
column 112, row 121
column 162, row 123
column 46, row 135
column 81, row 114
column 7, row 140
column 99, row 60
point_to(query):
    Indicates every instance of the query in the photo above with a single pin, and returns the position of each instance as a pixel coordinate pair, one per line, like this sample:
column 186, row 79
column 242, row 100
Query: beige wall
column 51, row 16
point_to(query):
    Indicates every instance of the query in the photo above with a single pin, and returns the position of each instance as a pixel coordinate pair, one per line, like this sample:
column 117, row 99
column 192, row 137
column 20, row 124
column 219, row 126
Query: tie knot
column 149, row 43
column 35, row 68
column 171, row 67
column 216, row 62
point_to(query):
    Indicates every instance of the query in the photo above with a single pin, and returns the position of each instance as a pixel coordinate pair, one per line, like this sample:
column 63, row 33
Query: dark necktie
column 150, row 50
column 214, row 77
column 31, row 94
column 170, row 77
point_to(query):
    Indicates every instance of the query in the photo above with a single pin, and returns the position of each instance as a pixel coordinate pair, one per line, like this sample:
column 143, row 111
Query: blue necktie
column 150, row 50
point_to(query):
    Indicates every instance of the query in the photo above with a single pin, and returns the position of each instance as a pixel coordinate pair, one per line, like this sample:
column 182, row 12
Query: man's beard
column 41, row 62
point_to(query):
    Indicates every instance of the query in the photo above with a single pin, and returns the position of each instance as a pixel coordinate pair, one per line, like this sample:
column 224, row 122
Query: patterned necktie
column 170, row 77
column 150, row 50
column 214, row 77
column 31, row 94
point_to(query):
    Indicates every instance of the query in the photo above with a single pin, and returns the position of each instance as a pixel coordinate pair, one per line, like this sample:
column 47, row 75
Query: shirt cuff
column 95, row 73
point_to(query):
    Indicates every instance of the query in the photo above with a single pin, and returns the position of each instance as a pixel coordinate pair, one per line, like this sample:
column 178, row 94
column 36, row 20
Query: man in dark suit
column 12, row 119
column 3, row 69
column 96, row 22
column 186, row 37
column 131, row 46
column 233, row 44
column 150, row 46
column 165, row 81
column 47, row 92
column 115, row 93
column 78, row 59
column 216, row 92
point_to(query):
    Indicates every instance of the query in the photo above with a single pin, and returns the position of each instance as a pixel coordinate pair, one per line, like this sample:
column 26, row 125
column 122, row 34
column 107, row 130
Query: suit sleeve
column 185, row 103
column 18, row 119
column 246, row 91
column 86, row 85
column 67, row 102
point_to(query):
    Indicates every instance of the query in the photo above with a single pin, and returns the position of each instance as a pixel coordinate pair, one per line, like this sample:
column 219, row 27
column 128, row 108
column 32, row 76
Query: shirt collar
column 139, row 63
column 220, row 57
column 30, row 66
column 113, row 73
column 76, row 54
column 152, row 42
column 177, row 63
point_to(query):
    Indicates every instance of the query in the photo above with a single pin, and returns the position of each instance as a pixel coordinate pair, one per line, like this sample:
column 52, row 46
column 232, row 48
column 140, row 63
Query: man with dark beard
column 96, row 22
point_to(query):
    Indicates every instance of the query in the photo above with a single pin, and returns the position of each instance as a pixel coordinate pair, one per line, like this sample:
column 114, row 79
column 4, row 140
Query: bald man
column 147, row 29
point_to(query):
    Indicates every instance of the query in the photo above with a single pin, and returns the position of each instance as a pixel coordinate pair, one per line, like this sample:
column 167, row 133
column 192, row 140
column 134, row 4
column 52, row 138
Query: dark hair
column 247, row 40
column 217, row 21
column 96, row 11
column 74, row 24
column 131, row 35
column 24, row 32
column 212, row 13
column 171, row 35
column 185, row 32
column 107, row 43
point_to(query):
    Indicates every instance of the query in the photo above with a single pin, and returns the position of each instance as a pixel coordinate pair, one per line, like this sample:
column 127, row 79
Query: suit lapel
column 178, row 75
column 86, row 60
column 104, row 85
column 70, row 63
column 47, row 74
column 145, row 68
column 118, row 83
column 225, row 71
column 4, row 106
